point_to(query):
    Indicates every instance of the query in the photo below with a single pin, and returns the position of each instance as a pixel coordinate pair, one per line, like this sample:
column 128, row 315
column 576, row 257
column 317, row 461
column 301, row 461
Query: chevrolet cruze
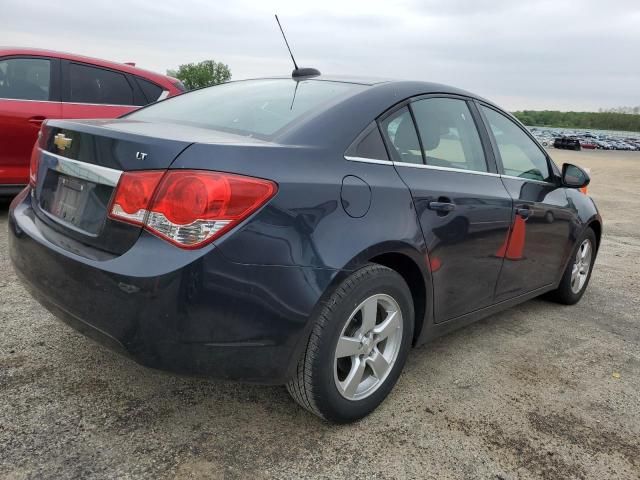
column 304, row 231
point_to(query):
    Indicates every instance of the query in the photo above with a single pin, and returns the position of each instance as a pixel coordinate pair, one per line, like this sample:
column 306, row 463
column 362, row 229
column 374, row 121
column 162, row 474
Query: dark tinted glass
column 521, row 157
column 402, row 136
column 150, row 90
column 448, row 133
column 97, row 85
column 25, row 78
column 252, row 107
column 369, row 145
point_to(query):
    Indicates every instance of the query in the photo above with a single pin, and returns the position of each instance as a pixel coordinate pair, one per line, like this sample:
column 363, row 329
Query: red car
column 588, row 144
column 39, row 84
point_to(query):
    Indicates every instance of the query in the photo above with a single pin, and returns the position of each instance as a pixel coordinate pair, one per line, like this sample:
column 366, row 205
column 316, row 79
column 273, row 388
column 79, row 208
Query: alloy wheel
column 581, row 266
column 368, row 347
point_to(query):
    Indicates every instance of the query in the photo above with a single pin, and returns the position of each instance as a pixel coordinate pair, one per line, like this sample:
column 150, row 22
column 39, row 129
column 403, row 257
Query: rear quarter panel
column 305, row 224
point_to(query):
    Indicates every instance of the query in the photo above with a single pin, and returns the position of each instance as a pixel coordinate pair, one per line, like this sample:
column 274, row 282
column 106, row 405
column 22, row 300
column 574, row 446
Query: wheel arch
column 401, row 257
column 412, row 263
column 596, row 226
column 415, row 279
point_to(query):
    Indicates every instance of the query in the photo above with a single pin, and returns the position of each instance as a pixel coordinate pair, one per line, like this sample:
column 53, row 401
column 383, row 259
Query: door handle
column 445, row 207
column 37, row 120
column 524, row 211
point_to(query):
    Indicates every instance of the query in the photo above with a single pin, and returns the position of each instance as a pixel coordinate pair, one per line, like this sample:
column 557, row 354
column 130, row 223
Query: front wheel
column 357, row 348
column 578, row 272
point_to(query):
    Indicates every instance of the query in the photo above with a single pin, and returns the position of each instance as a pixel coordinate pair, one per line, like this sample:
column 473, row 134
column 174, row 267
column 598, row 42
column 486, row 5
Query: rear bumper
column 182, row 311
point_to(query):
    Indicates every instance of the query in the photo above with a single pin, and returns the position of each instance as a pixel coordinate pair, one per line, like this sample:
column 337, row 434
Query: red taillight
column 133, row 194
column 189, row 208
column 34, row 165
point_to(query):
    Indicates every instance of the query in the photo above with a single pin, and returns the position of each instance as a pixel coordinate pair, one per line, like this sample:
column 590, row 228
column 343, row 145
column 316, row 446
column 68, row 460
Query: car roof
column 346, row 118
column 157, row 77
column 420, row 87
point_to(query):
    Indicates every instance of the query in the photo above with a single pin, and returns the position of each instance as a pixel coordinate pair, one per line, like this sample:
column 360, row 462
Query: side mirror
column 574, row 176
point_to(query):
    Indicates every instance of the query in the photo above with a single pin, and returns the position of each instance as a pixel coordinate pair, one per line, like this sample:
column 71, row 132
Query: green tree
column 605, row 120
column 203, row 74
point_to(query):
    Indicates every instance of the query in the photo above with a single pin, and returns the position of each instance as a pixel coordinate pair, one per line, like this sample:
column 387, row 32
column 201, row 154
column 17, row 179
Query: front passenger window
column 521, row 157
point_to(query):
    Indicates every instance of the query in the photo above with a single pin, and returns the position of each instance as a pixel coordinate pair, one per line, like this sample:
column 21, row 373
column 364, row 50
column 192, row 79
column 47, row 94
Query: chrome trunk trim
column 86, row 171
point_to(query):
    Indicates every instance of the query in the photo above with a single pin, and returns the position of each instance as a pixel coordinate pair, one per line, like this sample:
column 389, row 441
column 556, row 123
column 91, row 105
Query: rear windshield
column 252, row 108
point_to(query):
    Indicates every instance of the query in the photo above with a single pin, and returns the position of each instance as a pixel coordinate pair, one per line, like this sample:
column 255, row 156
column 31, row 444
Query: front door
column 27, row 98
column 540, row 238
column 463, row 207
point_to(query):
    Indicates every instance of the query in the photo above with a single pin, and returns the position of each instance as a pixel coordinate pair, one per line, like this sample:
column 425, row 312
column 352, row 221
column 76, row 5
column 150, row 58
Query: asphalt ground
column 538, row 391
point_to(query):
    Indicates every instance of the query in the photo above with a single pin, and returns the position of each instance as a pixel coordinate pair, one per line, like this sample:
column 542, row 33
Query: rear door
column 462, row 205
column 540, row 238
column 29, row 94
column 89, row 91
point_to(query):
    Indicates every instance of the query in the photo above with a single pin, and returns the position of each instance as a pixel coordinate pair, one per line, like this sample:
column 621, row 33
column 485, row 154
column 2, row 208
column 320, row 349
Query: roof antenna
column 297, row 72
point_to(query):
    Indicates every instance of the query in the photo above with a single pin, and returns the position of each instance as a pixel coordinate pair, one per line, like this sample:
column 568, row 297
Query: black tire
column 564, row 294
column 313, row 386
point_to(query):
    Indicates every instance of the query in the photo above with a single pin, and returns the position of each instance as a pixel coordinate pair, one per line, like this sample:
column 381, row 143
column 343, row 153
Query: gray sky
column 561, row 54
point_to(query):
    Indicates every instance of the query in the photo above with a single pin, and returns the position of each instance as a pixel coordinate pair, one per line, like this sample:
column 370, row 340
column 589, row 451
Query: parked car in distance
column 39, row 84
column 310, row 230
column 588, row 144
column 567, row 143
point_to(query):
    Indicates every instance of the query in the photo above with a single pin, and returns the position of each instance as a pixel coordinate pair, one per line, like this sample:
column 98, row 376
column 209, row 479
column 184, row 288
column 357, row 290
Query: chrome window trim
column 26, row 100
column 86, row 171
column 163, row 95
column 103, row 104
column 444, row 169
column 368, row 160
column 528, row 180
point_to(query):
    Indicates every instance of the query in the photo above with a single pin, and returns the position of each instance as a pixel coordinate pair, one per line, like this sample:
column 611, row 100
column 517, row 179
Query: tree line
column 605, row 120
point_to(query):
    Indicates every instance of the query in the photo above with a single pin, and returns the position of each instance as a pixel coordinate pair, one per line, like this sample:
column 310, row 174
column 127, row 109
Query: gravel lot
column 539, row 391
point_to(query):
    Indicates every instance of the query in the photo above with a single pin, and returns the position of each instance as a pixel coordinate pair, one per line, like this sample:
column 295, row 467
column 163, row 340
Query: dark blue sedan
column 302, row 231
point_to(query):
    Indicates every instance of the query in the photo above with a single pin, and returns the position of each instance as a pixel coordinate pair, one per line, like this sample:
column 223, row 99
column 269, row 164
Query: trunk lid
column 80, row 164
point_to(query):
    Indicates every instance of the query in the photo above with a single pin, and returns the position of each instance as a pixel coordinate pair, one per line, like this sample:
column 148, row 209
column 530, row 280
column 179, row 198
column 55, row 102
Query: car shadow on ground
column 131, row 396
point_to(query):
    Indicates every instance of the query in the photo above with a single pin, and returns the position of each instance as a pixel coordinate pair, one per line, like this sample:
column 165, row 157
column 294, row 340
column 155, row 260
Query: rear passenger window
column 521, row 157
column 97, row 85
column 25, row 78
column 369, row 144
column 403, row 139
column 150, row 90
column 449, row 135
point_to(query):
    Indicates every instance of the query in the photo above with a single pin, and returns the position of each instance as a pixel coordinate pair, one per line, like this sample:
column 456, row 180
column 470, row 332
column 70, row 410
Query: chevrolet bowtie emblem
column 62, row 142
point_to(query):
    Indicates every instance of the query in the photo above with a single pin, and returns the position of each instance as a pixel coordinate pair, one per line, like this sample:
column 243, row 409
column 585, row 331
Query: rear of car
column 36, row 85
column 122, row 231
